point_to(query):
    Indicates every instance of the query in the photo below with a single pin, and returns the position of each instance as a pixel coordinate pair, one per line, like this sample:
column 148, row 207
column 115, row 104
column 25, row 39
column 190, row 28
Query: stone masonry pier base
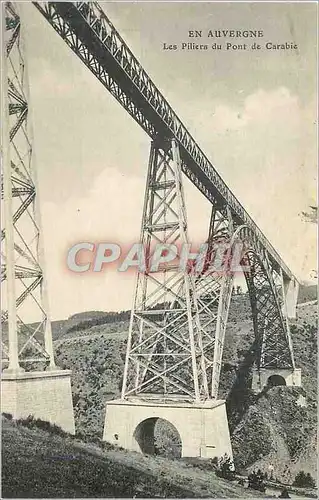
column 202, row 427
column 275, row 376
column 46, row 395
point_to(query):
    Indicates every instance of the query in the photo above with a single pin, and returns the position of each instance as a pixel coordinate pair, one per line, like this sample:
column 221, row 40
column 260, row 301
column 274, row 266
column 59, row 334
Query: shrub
column 256, row 481
column 209, row 464
column 32, row 422
column 225, row 468
column 284, row 494
column 8, row 416
column 303, row 480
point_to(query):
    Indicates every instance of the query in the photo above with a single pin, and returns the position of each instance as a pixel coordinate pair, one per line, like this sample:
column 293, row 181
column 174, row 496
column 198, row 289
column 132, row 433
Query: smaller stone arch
column 275, row 380
column 158, row 436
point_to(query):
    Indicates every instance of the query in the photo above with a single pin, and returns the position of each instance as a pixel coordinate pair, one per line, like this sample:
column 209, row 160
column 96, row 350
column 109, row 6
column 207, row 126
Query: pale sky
column 253, row 113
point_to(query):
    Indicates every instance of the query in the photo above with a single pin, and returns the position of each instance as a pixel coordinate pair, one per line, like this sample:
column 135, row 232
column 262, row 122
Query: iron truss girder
column 93, row 38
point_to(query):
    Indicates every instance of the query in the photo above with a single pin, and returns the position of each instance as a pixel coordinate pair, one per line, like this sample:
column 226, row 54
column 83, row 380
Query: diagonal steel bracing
column 89, row 33
column 178, row 322
column 24, row 312
column 266, row 291
column 92, row 37
column 165, row 354
column 214, row 288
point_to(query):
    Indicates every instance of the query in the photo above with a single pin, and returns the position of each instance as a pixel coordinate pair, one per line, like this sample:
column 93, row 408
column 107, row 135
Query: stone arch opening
column 275, row 380
column 157, row 436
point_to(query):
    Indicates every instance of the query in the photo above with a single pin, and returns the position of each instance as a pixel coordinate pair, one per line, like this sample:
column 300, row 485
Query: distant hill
column 82, row 316
column 83, row 320
column 307, row 293
column 80, row 321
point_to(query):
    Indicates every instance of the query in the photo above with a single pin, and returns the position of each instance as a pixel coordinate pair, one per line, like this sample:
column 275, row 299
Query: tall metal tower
column 165, row 356
column 178, row 322
column 214, row 290
column 31, row 384
column 173, row 356
column 26, row 326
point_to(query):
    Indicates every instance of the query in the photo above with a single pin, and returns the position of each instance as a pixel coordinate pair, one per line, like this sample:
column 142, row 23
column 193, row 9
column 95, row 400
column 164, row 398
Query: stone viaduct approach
column 178, row 320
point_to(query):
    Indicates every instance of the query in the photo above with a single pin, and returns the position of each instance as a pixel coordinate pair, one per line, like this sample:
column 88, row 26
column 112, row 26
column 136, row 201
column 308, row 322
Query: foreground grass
column 37, row 464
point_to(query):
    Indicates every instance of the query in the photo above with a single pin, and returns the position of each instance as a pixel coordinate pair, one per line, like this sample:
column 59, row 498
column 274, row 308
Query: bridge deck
column 91, row 35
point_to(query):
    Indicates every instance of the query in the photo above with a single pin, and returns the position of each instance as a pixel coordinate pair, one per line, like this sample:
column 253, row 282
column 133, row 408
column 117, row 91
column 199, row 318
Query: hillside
column 307, row 293
column 96, row 356
column 81, row 321
column 46, row 465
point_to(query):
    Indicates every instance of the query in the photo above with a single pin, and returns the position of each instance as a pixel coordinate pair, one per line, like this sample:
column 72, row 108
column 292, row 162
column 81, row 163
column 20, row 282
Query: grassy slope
column 268, row 429
column 46, row 465
column 96, row 357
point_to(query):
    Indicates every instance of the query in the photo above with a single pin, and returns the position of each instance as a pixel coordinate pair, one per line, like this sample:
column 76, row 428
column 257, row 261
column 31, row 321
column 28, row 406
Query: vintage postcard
column 158, row 249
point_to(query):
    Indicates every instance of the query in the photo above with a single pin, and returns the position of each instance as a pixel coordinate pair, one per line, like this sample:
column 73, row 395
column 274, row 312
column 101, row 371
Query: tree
column 256, row 481
column 303, row 480
column 225, row 468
